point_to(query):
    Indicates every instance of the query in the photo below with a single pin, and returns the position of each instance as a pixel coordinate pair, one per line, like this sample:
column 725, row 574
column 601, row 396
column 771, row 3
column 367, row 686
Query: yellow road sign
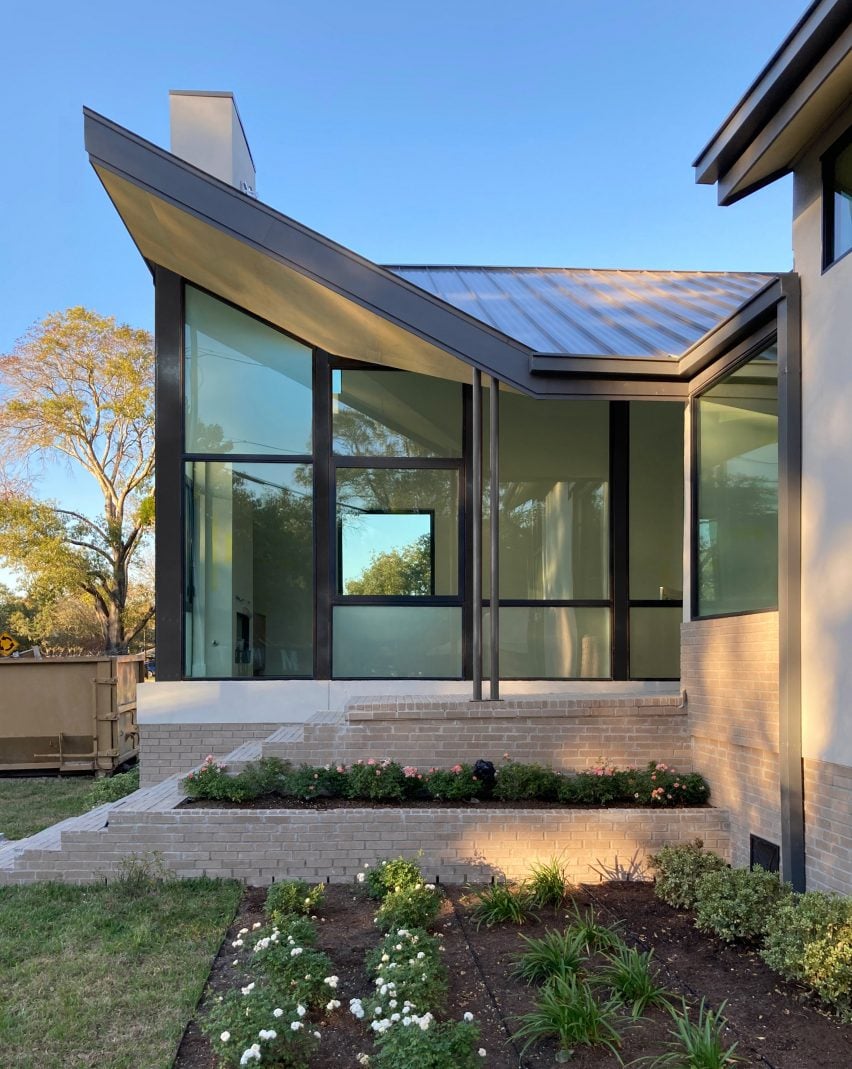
column 7, row 644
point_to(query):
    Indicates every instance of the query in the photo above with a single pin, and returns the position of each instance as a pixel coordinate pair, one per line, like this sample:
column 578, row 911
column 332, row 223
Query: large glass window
column 837, row 193
column 248, row 387
column 551, row 642
column 386, row 413
column 397, row 532
column 397, row 641
column 554, row 499
column 737, row 507
column 249, row 570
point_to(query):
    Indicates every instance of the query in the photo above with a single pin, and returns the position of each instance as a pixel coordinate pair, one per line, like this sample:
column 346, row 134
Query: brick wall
column 564, row 733
column 166, row 749
column 729, row 670
column 464, row 844
column 828, row 826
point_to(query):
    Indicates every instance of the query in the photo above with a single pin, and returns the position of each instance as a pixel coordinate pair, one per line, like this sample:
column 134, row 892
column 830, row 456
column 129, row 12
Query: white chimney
column 206, row 131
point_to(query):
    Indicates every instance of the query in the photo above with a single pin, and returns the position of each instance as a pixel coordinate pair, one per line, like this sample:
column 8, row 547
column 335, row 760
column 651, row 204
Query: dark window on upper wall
column 837, row 200
column 736, row 517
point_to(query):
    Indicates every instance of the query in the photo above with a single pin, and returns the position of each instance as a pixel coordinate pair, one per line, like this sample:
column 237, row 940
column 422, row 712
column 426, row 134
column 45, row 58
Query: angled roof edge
column 367, row 284
column 817, row 30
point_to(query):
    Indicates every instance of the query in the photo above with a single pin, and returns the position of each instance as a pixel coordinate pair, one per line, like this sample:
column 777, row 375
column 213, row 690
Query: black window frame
column 828, row 161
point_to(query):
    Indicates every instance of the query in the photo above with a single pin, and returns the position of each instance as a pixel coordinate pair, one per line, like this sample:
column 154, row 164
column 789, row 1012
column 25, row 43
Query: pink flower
column 409, row 771
column 341, row 768
column 456, row 769
column 371, row 761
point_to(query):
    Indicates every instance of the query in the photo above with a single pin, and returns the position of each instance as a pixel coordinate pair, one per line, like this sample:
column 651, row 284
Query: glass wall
column 249, row 600
column 247, row 386
column 655, row 538
column 347, row 516
column 737, row 500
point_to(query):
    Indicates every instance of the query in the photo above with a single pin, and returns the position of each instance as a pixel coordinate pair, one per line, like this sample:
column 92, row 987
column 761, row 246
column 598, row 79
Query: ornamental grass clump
column 409, row 907
column 696, row 1044
column 501, row 904
column 456, row 784
column 554, row 954
column 628, row 975
column 679, row 869
column 567, row 1010
column 737, row 903
column 253, row 1024
column 594, row 935
column 293, row 896
column 548, row 882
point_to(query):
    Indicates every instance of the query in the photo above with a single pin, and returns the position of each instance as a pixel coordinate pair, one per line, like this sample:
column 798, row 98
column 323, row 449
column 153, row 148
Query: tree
column 79, row 386
column 406, row 571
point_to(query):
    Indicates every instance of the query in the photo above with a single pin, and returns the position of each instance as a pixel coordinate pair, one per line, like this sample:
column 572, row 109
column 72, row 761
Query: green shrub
column 233, row 1024
column 111, row 788
column 401, row 945
column 456, row 784
column 679, row 869
column 377, row 781
column 213, row 782
column 324, row 781
column 828, row 969
column 518, row 782
column 659, row 784
column 737, row 903
column 797, row 922
column 296, row 973
column 406, row 967
column 437, row 1046
column 293, row 896
column 267, row 776
column 394, row 874
column 293, row 926
column 598, row 786
column 409, row 907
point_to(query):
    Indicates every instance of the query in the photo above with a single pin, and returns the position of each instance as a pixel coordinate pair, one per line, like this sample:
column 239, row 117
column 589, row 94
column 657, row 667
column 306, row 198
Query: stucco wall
column 826, row 473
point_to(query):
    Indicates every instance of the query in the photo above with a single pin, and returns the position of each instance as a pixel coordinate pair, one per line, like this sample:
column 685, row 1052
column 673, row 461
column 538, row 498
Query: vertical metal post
column 476, row 534
column 494, row 534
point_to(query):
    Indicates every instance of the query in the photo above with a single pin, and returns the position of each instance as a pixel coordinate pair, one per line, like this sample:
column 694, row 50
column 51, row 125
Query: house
column 433, row 484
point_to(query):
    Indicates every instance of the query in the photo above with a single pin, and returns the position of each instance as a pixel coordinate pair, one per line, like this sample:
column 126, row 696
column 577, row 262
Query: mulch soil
column 776, row 1025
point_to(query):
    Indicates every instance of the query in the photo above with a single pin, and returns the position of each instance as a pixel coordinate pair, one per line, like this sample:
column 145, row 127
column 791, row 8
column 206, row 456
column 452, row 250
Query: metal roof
column 591, row 312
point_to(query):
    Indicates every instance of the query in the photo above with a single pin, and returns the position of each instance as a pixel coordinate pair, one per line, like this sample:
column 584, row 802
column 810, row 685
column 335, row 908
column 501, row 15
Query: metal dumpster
column 69, row 713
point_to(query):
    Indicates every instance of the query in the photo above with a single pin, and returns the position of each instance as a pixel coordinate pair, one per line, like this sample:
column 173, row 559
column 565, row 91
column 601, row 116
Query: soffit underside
column 228, row 267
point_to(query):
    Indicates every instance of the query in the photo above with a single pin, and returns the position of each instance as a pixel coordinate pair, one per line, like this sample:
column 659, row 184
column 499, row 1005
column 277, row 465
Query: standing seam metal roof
column 592, row 312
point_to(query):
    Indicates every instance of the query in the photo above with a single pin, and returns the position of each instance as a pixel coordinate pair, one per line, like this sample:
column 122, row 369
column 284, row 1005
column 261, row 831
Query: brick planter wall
column 729, row 670
column 567, row 733
column 261, row 846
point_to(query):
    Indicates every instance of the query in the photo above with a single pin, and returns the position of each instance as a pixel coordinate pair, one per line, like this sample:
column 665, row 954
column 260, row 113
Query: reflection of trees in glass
column 737, row 537
column 405, row 571
column 359, row 435
column 208, row 438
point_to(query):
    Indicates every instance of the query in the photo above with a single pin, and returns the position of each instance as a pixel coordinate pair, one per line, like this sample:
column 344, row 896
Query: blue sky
column 472, row 131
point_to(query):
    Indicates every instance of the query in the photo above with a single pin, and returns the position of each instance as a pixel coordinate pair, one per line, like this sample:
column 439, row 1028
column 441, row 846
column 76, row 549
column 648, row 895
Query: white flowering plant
column 297, row 972
column 438, row 1045
column 293, row 896
column 391, row 874
column 253, row 1026
column 409, row 907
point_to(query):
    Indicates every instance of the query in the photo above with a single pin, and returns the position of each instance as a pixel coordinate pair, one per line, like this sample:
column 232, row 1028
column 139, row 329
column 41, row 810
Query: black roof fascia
column 815, row 32
column 305, row 251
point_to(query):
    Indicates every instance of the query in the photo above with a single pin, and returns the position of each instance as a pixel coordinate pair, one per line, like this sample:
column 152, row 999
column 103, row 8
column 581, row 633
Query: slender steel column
column 494, row 534
column 476, row 533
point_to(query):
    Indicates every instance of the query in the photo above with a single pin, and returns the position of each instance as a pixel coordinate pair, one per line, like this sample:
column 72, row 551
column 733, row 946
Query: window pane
column 655, row 642
column 738, row 490
column 248, row 387
column 843, row 203
column 397, row 642
column 554, row 499
column 395, row 414
column 656, row 500
column 549, row 642
column 398, row 531
column 249, row 570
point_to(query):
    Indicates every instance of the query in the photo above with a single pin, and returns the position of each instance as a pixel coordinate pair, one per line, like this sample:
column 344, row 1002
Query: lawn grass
column 106, row 975
column 29, row 804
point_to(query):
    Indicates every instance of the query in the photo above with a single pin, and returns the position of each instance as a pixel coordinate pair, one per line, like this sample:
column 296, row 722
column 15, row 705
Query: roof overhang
column 238, row 248
column 804, row 85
